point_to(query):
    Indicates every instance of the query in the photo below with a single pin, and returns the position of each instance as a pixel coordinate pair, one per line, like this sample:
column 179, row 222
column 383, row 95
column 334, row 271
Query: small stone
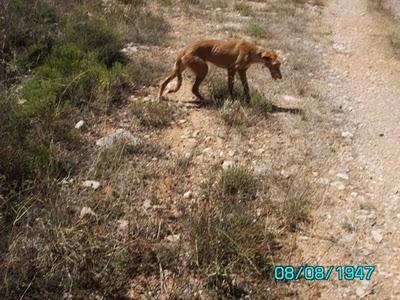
column 187, row 195
column 339, row 185
column 342, row 176
column 91, row 183
column 79, row 124
column 289, row 98
column 347, row 134
column 376, row 236
column 231, row 153
column 147, row 204
column 123, row 226
column 118, row 136
column 227, row 164
column 173, row 238
column 324, row 181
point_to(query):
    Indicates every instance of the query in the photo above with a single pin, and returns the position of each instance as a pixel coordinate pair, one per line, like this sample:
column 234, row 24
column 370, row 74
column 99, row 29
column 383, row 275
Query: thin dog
column 234, row 55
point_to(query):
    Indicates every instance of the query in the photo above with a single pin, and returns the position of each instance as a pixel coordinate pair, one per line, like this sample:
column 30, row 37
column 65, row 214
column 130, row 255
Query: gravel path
column 362, row 216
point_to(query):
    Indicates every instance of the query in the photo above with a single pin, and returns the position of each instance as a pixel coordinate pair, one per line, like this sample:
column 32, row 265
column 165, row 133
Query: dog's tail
column 177, row 72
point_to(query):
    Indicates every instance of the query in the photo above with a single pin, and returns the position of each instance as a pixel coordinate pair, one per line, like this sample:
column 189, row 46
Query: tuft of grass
column 226, row 239
column 260, row 103
column 244, row 9
column 153, row 113
column 258, row 31
column 95, row 34
column 191, row 2
column 233, row 113
column 238, row 181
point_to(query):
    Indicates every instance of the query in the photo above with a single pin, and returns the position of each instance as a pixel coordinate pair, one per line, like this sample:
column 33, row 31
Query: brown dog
column 233, row 55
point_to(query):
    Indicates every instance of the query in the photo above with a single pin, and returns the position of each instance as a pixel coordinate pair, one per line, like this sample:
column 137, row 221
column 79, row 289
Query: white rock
column 79, row 124
column 289, row 98
column 187, row 195
column 376, row 235
column 147, row 204
column 347, row 134
column 66, row 181
column 91, row 183
column 231, row 152
column 339, row 185
column 118, row 136
column 342, row 176
column 123, row 226
column 86, row 211
column 173, row 238
column 227, row 164
column 324, row 181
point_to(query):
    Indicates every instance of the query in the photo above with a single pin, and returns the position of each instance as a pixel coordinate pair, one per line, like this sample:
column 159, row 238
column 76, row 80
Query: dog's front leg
column 246, row 90
column 231, row 79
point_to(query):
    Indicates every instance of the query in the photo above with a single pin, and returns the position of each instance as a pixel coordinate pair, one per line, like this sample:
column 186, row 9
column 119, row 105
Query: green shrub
column 94, row 34
column 257, row 31
column 37, row 142
column 260, row 103
column 32, row 30
column 239, row 182
column 70, row 74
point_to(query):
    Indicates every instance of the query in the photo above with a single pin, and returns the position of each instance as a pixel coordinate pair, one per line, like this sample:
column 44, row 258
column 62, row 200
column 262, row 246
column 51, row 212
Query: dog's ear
column 269, row 56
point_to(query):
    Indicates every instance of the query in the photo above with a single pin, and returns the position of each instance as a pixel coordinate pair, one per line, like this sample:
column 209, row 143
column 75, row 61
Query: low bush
column 244, row 9
column 260, row 103
column 153, row 113
column 238, row 182
column 257, row 31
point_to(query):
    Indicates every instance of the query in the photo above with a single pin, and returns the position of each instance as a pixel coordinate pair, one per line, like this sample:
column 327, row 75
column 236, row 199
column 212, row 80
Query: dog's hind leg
column 246, row 90
column 200, row 69
column 231, row 79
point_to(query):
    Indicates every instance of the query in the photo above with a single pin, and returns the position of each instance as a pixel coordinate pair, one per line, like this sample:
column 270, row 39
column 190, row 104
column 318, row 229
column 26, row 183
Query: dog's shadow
column 294, row 111
column 212, row 103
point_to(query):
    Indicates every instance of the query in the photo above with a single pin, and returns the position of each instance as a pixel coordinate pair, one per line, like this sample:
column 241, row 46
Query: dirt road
column 364, row 219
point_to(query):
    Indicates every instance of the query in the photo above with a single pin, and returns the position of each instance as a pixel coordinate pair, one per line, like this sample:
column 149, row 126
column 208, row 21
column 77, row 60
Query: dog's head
column 271, row 61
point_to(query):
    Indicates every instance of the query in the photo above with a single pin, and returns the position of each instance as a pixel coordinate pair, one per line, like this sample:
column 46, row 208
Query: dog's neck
column 257, row 55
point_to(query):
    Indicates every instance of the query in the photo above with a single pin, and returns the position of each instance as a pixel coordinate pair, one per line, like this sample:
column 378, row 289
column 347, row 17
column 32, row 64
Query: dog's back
column 222, row 53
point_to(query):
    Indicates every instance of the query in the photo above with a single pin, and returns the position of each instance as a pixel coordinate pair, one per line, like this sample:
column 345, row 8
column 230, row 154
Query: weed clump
column 153, row 113
column 244, row 9
column 257, row 31
column 233, row 113
column 238, row 181
column 260, row 103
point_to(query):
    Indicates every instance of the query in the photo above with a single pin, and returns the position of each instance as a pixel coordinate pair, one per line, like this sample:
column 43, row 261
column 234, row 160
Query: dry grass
column 394, row 25
column 153, row 113
column 137, row 234
column 244, row 9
